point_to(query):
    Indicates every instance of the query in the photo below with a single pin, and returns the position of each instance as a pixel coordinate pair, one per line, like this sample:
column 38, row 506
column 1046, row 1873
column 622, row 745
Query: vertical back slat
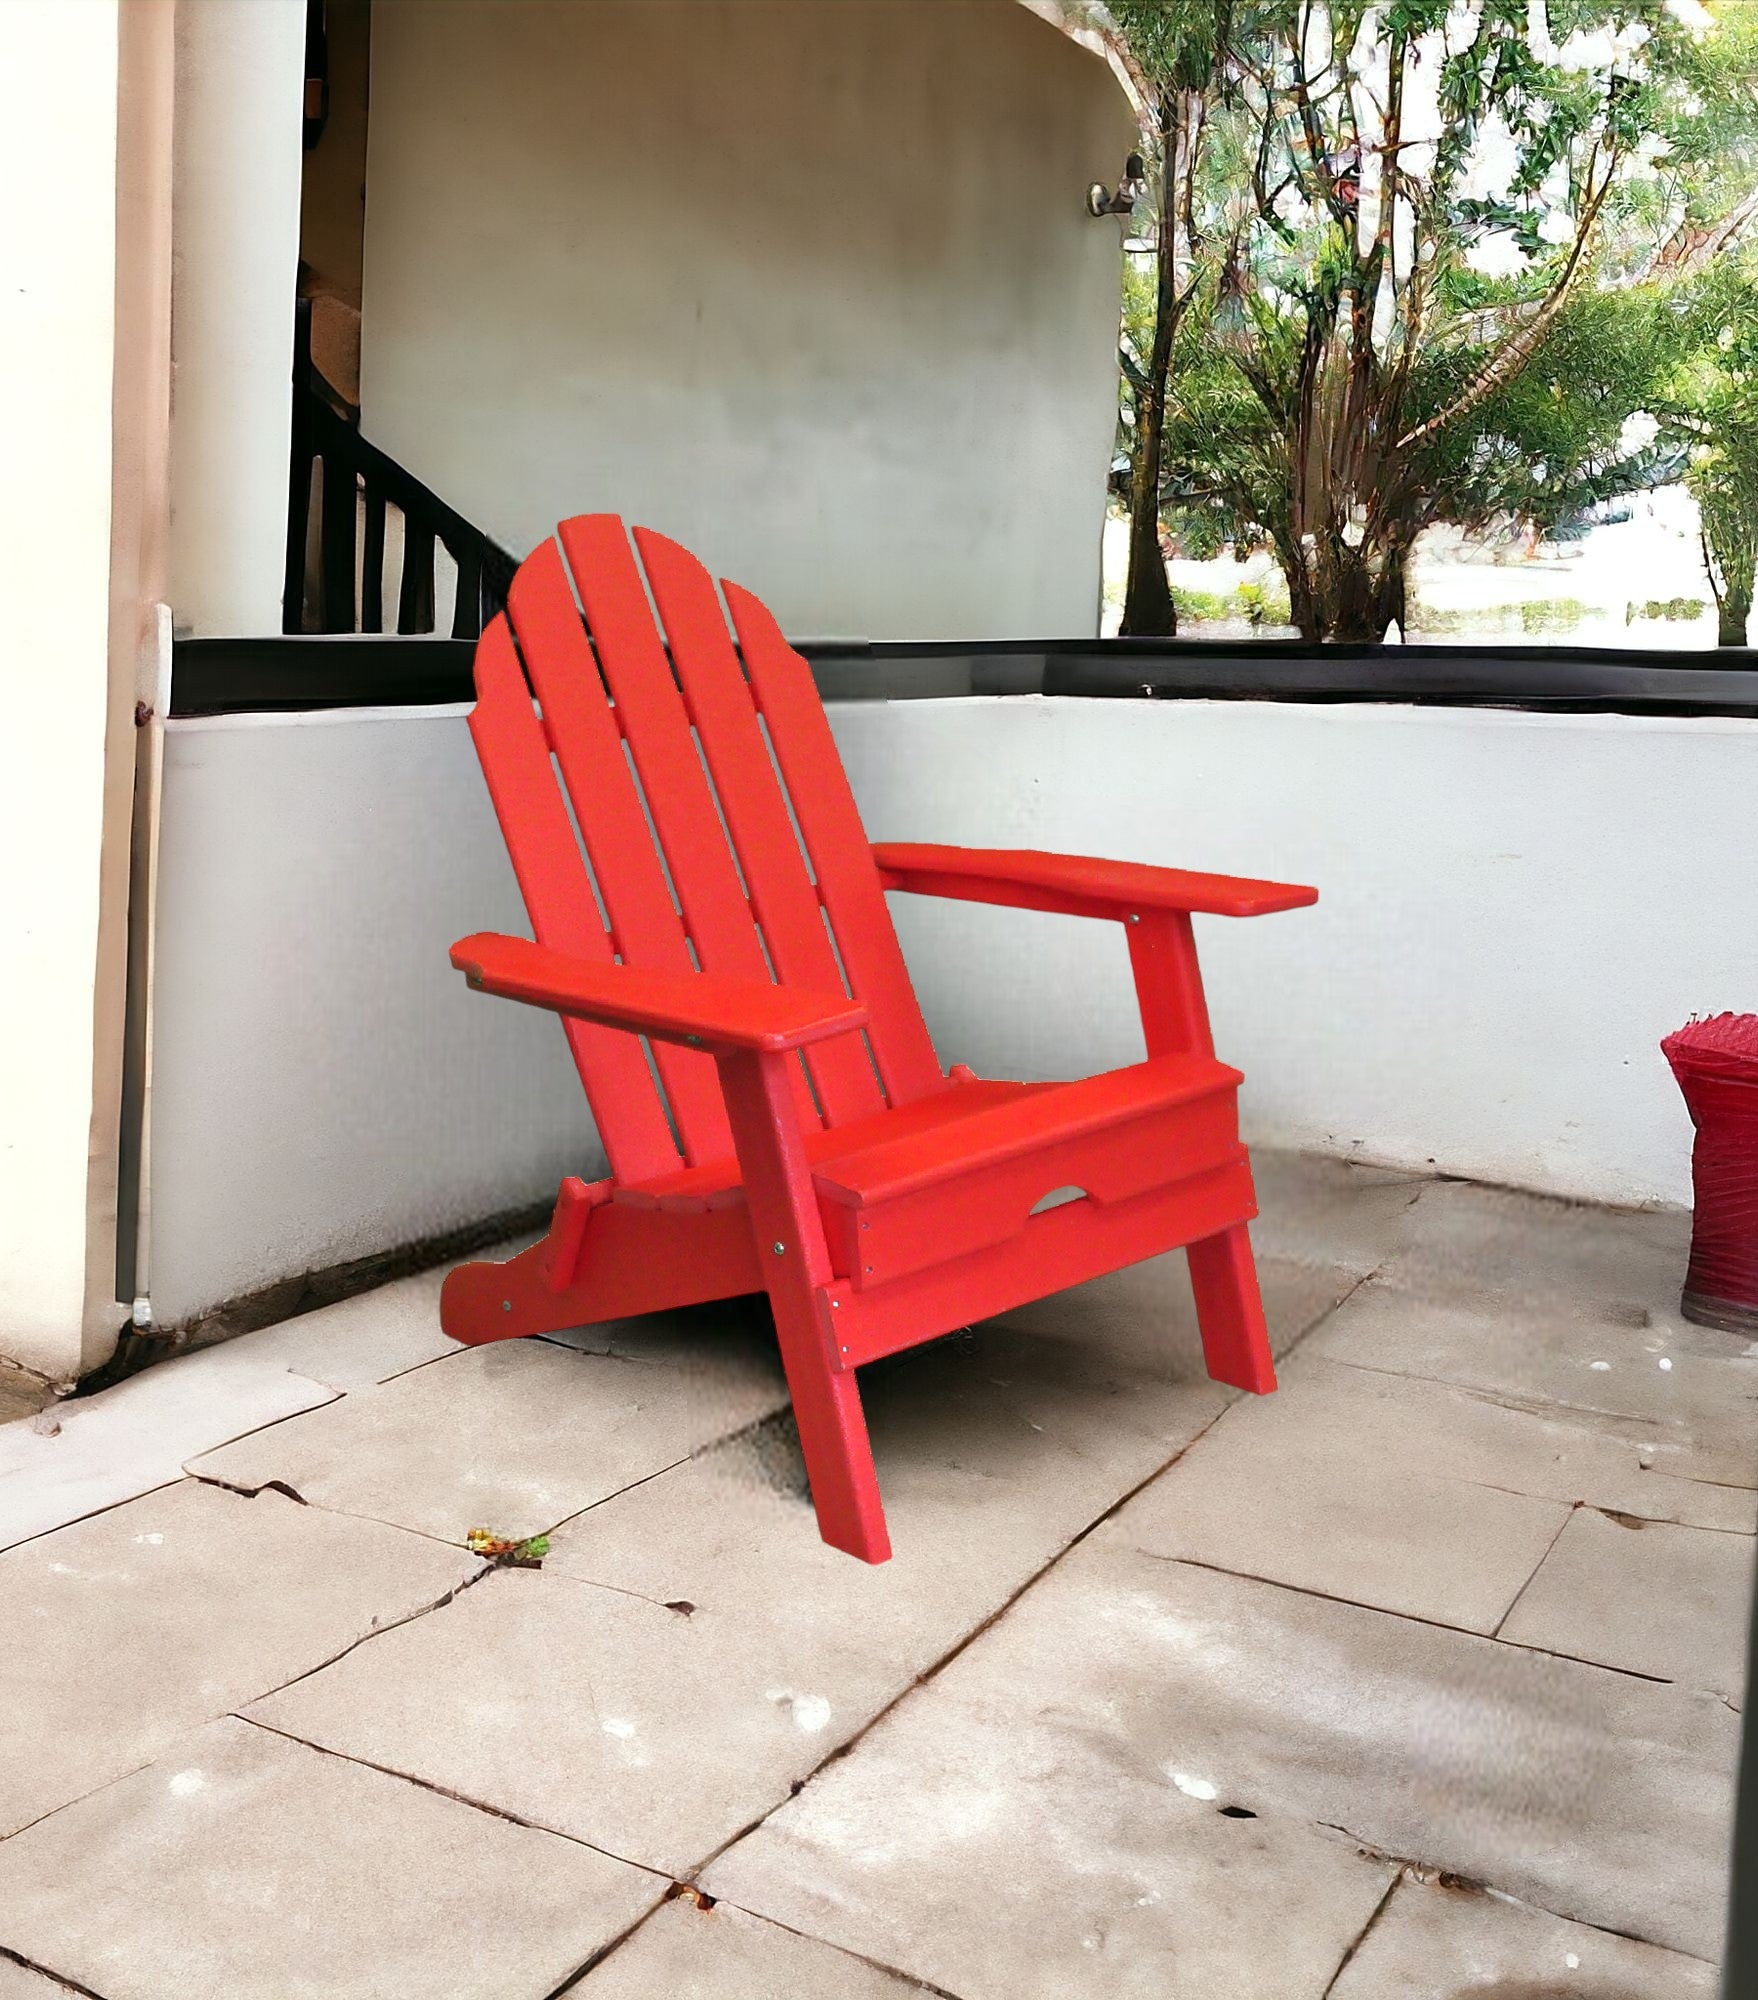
column 589, row 749
column 372, row 564
column 830, row 821
column 558, row 895
column 415, row 595
column 756, row 813
column 716, row 915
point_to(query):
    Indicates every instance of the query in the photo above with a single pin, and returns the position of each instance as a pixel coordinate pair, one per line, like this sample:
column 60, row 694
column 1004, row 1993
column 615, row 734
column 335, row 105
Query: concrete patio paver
column 1054, row 1706
column 1128, row 1308
column 1435, row 1941
column 578, row 1700
column 246, row 1867
column 19, row 1982
column 1014, row 1838
column 127, row 1440
column 125, row 1631
column 365, row 1339
column 1645, row 1597
column 1327, row 1211
column 1493, row 1242
column 22, row 1394
column 1685, row 1396
column 683, row 1952
column 514, row 1437
column 1407, row 1495
column 1507, row 1767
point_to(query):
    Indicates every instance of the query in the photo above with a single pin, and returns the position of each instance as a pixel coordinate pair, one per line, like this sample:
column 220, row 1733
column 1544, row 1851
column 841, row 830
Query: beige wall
column 57, row 317
column 239, row 112
column 807, row 283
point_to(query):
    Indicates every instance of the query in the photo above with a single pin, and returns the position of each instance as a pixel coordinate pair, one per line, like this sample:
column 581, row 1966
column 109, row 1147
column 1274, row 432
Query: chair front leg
column 790, row 1244
column 1223, row 1273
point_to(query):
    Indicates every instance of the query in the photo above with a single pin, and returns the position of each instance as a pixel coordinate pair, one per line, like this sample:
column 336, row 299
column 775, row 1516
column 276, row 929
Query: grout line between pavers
column 913, row 1980
column 1410, row 1618
column 445, row 1792
column 1514, row 1601
column 931, row 1672
column 65, row 1981
column 1379, row 1909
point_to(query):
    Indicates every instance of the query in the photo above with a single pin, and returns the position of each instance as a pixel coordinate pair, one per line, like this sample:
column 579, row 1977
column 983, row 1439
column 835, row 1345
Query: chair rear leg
column 1230, row 1311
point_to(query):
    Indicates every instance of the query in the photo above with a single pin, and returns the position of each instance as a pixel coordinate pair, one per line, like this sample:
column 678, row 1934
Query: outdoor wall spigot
column 1134, row 184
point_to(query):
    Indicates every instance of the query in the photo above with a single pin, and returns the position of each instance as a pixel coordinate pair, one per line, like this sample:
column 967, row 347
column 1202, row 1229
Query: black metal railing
column 342, row 488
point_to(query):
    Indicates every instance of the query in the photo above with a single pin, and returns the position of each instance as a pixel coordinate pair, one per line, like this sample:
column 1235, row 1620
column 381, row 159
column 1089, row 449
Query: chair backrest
column 718, row 828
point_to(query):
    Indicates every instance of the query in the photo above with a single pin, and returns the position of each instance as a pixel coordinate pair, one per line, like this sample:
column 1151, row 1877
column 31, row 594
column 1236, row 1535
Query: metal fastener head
column 693, row 1041
column 780, row 1249
column 1134, row 917
column 506, row 1305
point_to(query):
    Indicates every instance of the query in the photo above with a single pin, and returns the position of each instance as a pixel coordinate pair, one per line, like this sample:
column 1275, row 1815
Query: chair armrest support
column 697, row 1009
column 1077, row 885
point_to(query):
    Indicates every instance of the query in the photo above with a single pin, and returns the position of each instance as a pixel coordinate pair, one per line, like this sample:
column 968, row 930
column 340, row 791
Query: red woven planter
column 1716, row 1064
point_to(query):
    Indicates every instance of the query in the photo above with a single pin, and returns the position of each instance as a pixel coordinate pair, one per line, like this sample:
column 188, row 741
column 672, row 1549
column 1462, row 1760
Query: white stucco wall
column 809, row 282
column 324, row 1084
column 239, row 106
column 1514, row 909
column 57, row 305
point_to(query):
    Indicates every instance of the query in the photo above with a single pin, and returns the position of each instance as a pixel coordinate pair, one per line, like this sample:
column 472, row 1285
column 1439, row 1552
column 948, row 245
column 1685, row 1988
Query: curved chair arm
column 698, row 1009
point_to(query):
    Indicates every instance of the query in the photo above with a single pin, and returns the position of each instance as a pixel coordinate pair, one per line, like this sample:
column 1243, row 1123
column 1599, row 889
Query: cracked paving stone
column 1016, row 1836
column 19, row 1982
column 125, row 1631
column 1600, row 1797
column 1695, row 1419
column 1525, row 1249
column 1373, row 1488
column 1647, row 1597
column 130, row 1439
column 514, row 1437
column 1460, row 1944
column 1389, row 1490
column 361, row 1340
column 683, row 1952
column 576, row 1699
column 247, row 1867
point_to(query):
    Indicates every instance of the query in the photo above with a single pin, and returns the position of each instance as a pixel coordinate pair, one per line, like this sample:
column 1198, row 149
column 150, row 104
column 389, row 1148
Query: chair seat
column 967, row 1166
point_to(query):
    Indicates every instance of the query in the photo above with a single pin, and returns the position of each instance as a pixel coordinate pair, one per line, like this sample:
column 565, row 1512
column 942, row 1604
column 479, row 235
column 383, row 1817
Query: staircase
column 356, row 518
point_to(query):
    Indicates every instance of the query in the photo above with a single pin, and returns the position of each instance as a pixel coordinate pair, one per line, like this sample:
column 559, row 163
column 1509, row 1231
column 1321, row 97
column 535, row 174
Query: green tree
column 1393, row 210
column 1170, row 55
column 1709, row 407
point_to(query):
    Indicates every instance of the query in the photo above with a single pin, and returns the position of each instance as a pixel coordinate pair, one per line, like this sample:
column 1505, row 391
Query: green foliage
column 1429, row 272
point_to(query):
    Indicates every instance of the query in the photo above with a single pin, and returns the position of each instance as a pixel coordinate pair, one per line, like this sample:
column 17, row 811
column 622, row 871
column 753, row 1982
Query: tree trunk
column 1731, row 615
column 1339, row 592
column 1148, row 610
column 1147, row 598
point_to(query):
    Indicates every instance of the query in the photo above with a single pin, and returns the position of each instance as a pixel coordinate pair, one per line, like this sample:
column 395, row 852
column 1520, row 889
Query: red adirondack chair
column 795, row 1133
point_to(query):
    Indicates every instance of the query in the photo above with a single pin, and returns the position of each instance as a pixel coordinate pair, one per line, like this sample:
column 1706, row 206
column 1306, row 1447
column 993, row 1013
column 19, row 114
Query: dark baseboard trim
column 254, row 676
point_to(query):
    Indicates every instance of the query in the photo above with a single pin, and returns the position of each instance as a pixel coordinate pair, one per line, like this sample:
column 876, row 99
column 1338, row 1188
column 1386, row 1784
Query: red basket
column 1716, row 1064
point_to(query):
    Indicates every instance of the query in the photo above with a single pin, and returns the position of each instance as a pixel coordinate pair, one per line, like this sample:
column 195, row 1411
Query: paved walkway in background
column 1418, row 1680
